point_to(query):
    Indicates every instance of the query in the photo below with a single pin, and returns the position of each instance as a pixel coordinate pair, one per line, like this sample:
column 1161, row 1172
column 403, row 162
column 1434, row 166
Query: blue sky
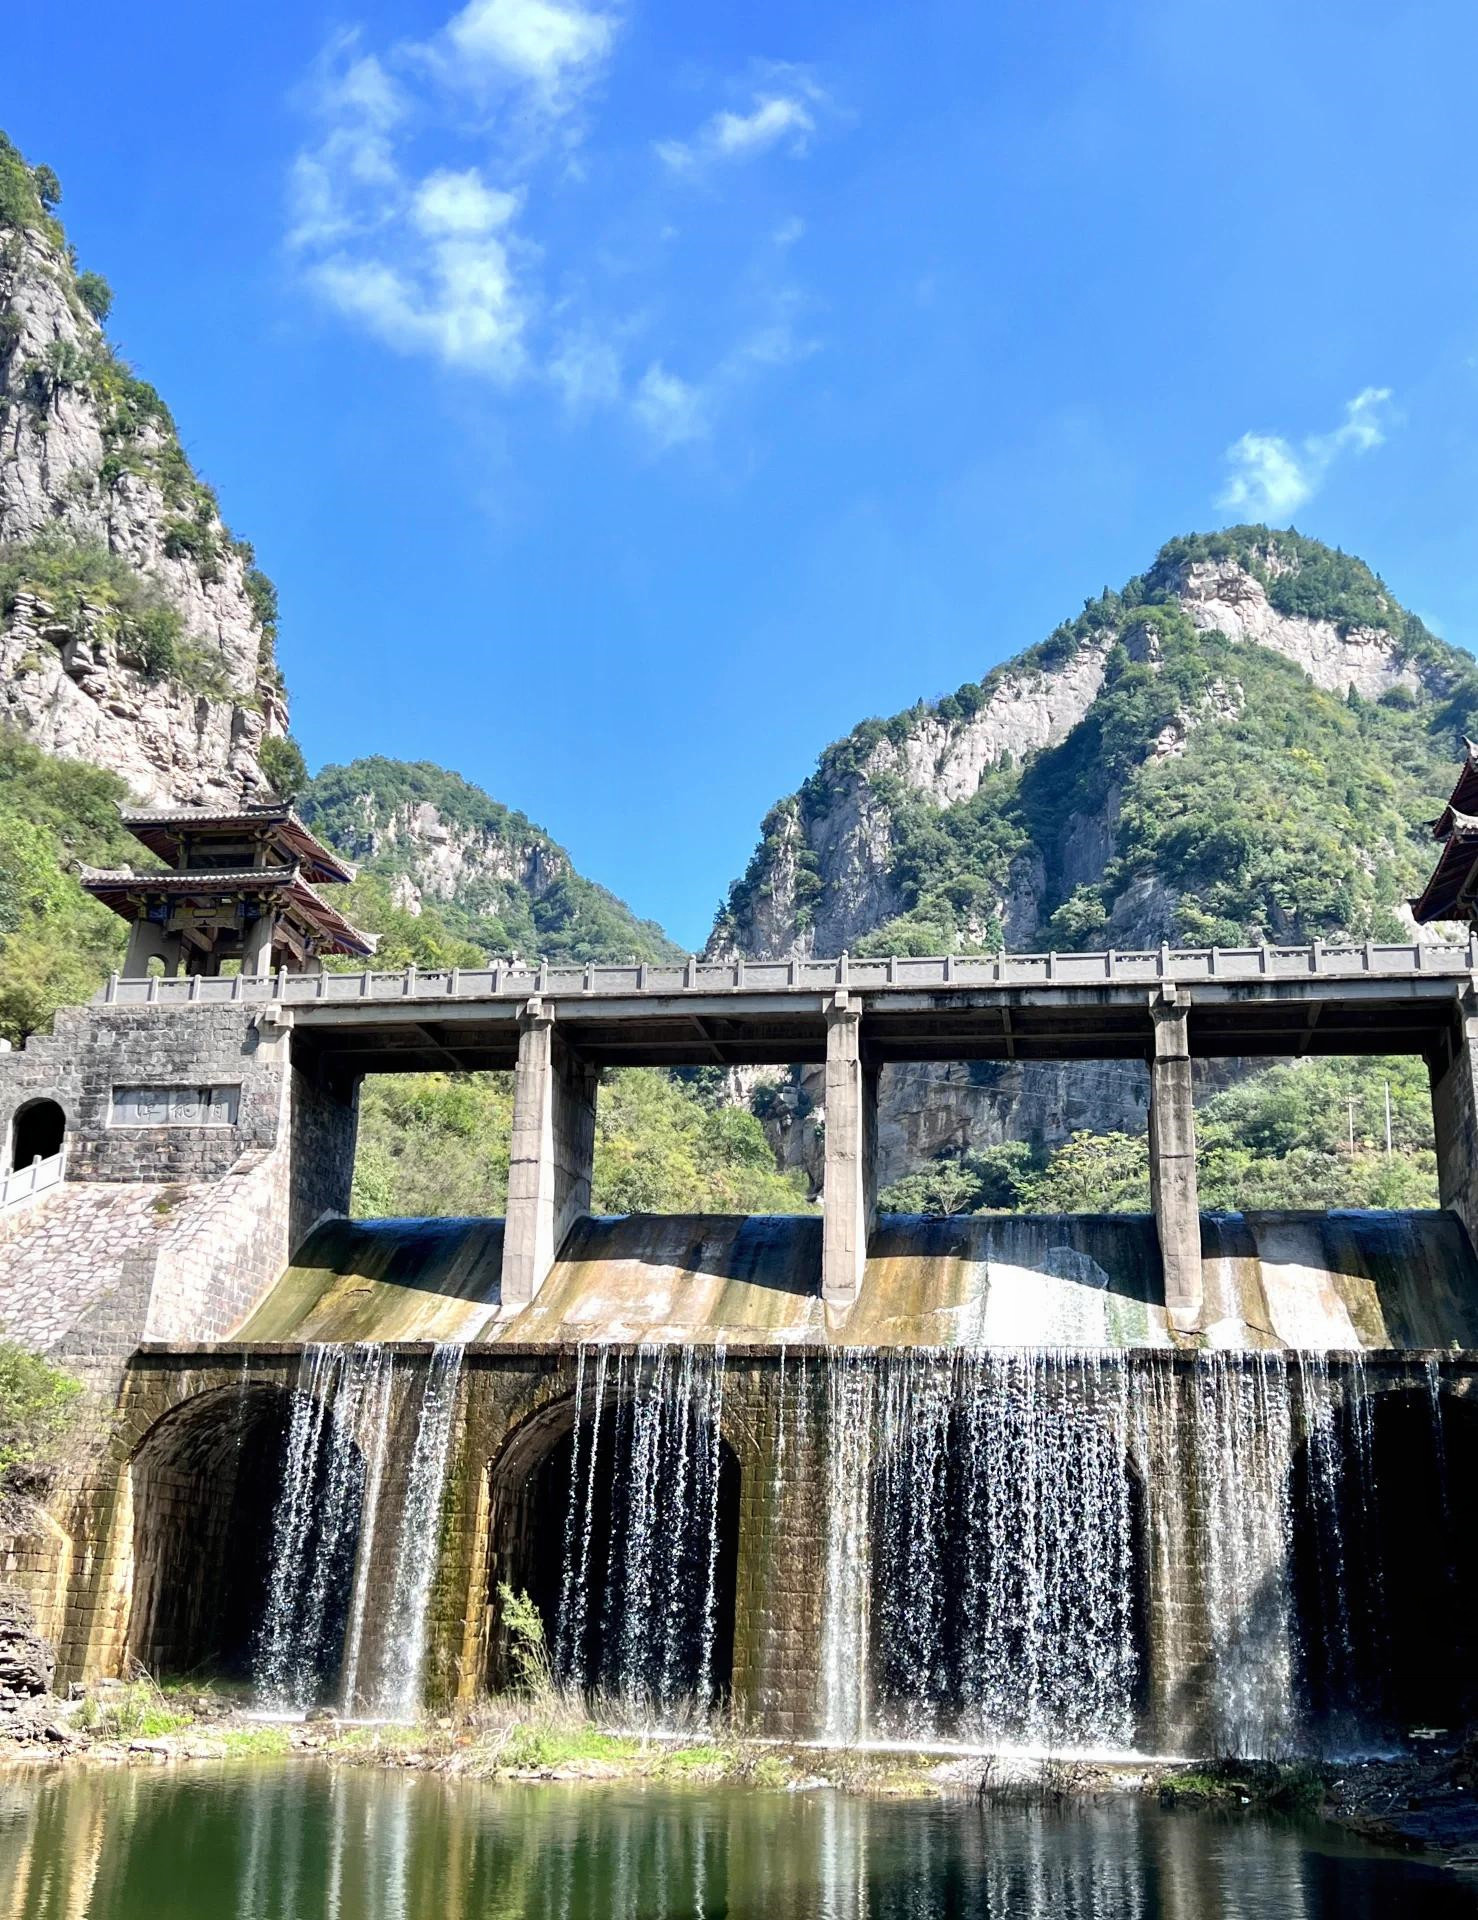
column 628, row 398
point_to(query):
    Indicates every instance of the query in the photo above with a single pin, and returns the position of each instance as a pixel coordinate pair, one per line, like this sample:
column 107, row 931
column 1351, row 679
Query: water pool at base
column 305, row 1842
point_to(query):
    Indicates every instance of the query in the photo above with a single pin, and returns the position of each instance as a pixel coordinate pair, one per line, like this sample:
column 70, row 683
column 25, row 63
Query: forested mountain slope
column 429, row 837
column 1244, row 743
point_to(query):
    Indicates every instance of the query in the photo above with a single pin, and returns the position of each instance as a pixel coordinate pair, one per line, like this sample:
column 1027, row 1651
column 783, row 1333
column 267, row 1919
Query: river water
column 304, row 1842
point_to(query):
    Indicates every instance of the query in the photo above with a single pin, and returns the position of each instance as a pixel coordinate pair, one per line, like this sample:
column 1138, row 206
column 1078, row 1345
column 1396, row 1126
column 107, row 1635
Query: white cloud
column 460, row 304
column 543, row 42
column 587, row 371
column 1270, row 478
column 775, row 119
column 410, row 208
column 670, row 410
column 423, row 261
column 446, row 202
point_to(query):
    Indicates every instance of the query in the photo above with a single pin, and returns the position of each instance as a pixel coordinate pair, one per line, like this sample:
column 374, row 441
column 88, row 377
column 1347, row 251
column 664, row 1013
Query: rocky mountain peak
column 983, row 816
column 136, row 631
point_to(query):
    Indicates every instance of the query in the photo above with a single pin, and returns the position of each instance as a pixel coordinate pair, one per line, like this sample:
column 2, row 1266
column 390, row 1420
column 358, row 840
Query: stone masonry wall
column 515, row 1403
column 167, row 1232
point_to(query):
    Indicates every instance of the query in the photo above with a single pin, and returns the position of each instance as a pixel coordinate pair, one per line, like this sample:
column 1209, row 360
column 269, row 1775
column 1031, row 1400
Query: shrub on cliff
column 38, row 1403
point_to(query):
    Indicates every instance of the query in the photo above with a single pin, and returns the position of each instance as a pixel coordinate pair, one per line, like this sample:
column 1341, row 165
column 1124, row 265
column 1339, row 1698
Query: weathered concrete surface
column 551, row 1155
column 1321, row 1282
column 849, row 1193
column 1173, row 1165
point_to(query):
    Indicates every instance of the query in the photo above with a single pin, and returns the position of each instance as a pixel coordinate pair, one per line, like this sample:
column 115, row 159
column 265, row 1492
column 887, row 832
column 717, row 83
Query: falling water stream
column 638, row 1599
column 339, row 1418
column 398, row 1694
column 1024, row 1547
column 333, row 1535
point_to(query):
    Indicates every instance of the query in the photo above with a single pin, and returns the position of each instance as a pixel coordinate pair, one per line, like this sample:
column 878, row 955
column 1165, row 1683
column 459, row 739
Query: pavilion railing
column 520, row 980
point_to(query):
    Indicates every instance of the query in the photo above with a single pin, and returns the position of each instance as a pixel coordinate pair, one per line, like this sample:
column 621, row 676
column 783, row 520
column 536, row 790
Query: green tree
column 96, row 295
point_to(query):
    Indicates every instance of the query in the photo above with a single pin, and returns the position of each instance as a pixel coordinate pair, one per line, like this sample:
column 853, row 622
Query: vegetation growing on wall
column 38, row 1403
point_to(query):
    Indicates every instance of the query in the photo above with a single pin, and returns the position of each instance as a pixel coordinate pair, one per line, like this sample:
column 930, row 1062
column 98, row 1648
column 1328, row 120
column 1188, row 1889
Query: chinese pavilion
column 236, row 886
column 1452, row 891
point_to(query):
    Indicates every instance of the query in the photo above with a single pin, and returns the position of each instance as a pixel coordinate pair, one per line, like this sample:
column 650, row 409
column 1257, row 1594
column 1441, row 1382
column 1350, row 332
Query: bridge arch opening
column 37, row 1132
column 1386, row 1563
column 208, row 1485
column 619, row 1518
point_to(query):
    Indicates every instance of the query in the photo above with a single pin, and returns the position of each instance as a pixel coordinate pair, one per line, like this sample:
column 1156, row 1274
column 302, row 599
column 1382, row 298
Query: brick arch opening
column 626, row 1539
column 205, row 1483
column 37, row 1132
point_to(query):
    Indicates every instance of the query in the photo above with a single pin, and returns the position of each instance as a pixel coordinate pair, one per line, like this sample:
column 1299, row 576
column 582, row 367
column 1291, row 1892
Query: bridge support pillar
column 849, row 1196
column 551, row 1156
column 1454, row 1073
column 1173, row 1165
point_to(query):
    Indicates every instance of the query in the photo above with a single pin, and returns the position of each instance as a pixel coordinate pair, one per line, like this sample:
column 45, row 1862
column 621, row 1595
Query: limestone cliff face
column 822, row 879
column 436, row 840
column 135, row 631
column 429, row 856
column 1025, row 810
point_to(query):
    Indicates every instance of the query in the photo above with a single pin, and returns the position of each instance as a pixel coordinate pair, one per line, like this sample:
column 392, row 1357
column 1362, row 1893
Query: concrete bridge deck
column 1372, row 998
column 247, row 1086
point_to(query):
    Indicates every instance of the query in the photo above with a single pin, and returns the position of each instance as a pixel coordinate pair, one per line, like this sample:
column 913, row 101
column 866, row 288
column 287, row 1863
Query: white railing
column 22, row 1183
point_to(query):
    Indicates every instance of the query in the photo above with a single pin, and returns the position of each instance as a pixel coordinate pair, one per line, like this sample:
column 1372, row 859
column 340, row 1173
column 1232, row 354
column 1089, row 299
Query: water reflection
column 274, row 1843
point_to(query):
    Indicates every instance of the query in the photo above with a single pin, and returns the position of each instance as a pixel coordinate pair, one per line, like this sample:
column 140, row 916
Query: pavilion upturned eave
column 165, row 831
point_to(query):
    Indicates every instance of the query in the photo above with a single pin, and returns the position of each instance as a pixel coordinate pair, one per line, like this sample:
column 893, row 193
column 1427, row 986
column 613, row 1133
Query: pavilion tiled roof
column 161, row 830
column 1450, row 893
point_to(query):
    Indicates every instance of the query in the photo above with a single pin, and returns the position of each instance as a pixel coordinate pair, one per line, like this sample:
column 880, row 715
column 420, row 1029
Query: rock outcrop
column 1023, row 810
column 135, row 630
column 436, row 840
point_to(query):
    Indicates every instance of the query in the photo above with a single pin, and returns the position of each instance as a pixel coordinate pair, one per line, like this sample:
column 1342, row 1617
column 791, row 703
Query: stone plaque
column 175, row 1106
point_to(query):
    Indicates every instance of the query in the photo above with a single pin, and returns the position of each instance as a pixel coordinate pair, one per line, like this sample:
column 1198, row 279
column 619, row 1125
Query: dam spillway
column 1000, row 1501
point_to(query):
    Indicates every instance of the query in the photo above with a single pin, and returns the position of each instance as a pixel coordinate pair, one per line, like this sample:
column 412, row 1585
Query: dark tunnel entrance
column 37, row 1133
column 208, row 1506
column 624, row 1532
column 1386, row 1564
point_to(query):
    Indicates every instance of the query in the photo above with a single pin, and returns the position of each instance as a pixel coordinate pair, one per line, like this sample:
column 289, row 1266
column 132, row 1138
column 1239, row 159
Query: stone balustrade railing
column 23, row 1183
column 517, row 980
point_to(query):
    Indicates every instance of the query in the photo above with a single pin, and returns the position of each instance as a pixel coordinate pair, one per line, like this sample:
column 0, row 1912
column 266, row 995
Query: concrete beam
column 1454, row 1075
column 551, row 1154
column 849, row 1194
column 1173, row 1163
